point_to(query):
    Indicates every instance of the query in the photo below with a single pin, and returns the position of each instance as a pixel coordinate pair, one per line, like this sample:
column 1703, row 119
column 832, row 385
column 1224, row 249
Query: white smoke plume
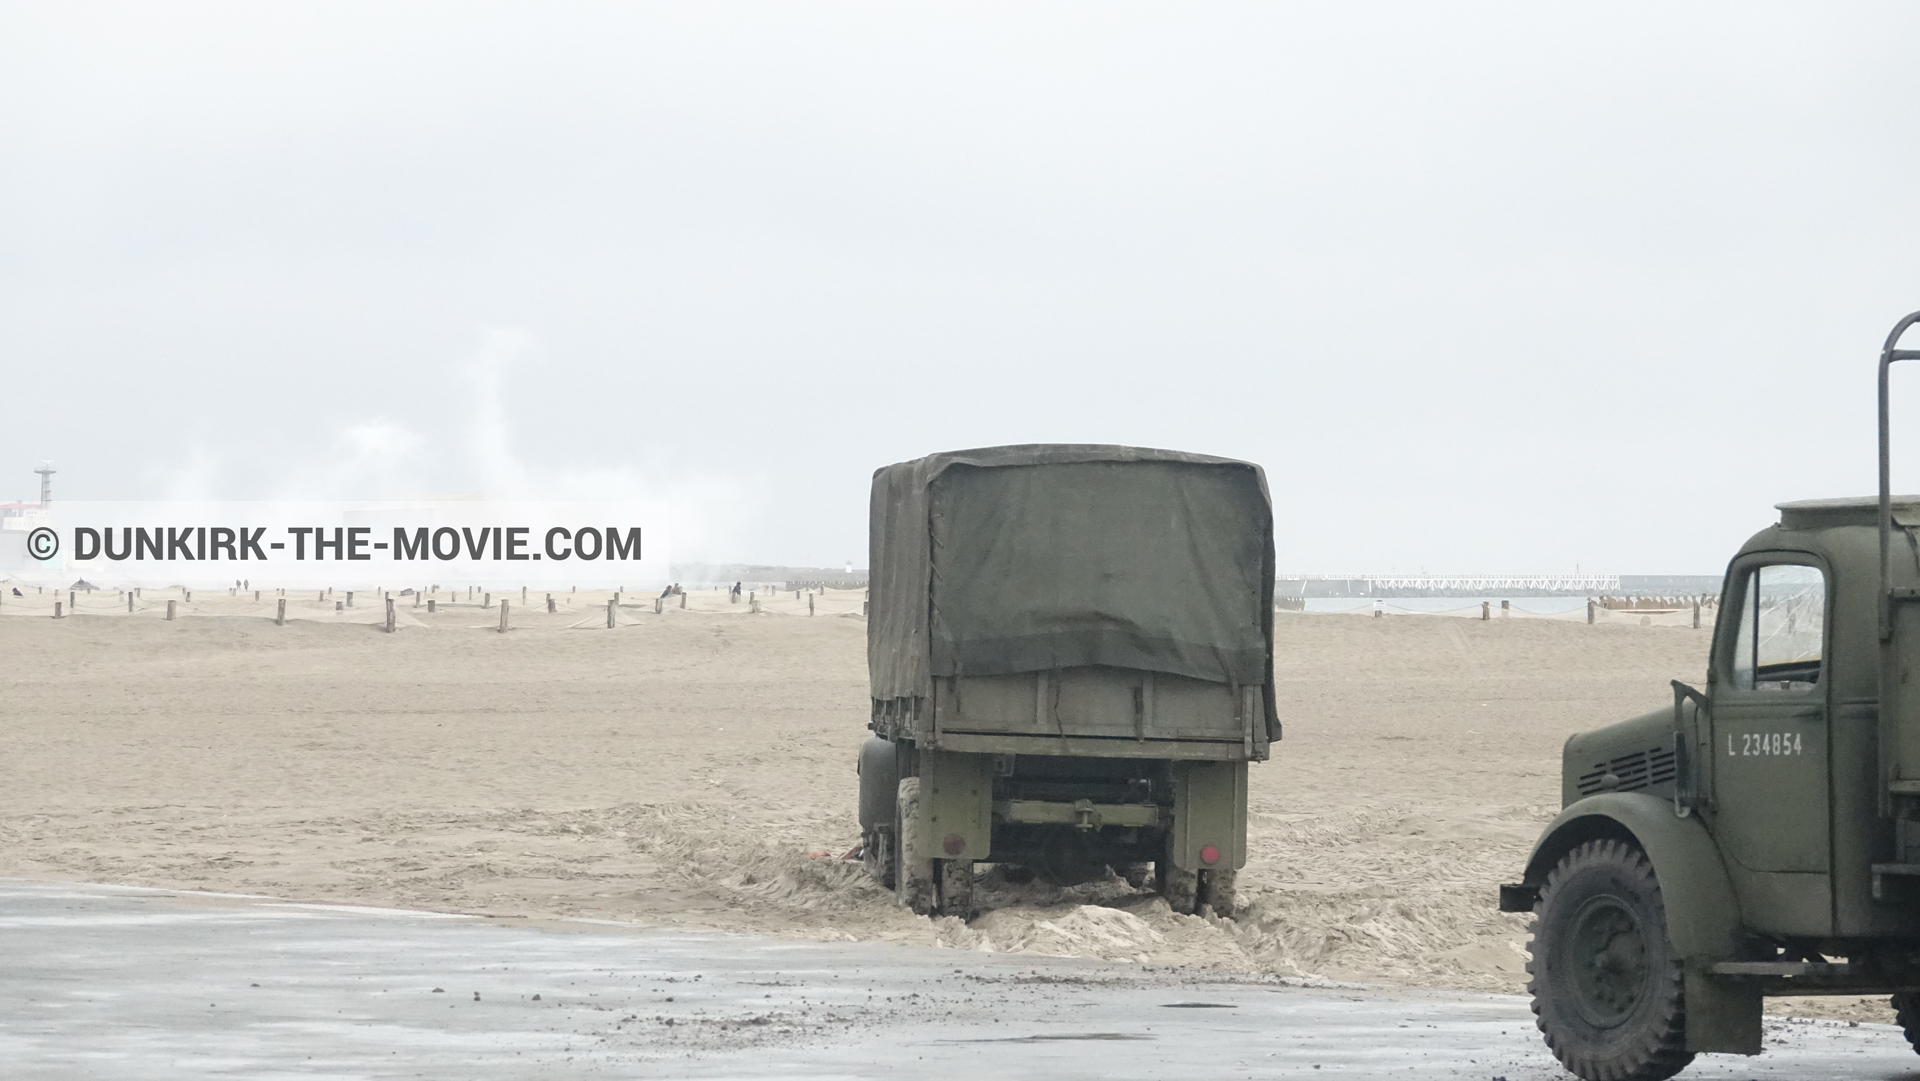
column 379, row 457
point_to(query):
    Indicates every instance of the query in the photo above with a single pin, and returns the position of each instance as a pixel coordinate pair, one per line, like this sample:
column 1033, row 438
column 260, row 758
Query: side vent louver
column 1629, row 772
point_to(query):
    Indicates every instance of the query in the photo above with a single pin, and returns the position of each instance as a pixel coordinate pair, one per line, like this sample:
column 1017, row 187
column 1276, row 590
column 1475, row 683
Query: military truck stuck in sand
column 1070, row 653
column 1761, row 837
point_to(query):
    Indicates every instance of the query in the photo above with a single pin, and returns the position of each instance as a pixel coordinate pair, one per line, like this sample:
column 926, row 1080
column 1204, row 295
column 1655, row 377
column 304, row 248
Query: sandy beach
column 694, row 768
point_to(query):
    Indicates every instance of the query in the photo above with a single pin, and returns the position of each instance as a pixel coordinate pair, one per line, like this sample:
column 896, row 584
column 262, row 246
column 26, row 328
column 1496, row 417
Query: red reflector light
column 954, row 844
column 1209, row 854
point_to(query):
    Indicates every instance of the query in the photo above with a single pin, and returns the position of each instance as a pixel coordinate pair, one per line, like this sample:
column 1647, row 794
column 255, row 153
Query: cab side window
column 1783, row 621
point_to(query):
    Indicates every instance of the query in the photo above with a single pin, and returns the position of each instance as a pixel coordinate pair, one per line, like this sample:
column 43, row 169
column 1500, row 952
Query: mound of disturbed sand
column 680, row 768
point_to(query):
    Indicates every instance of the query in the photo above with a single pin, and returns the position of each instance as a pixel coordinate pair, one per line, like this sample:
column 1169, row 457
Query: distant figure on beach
column 16, row 591
column 667, row 592
column 736, row 589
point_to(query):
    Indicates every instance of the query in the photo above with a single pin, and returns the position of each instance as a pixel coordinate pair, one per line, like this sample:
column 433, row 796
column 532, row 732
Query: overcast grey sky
column 1497, row 288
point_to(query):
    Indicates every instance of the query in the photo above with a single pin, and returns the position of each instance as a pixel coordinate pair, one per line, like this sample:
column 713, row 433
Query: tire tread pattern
column 1660, row 1051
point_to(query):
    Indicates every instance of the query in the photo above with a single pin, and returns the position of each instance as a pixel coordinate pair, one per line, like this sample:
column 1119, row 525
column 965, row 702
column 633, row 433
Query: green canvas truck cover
column 1044, row 556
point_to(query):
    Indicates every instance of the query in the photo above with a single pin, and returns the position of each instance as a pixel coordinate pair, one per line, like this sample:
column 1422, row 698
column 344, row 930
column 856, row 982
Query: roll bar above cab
column 1888, row 354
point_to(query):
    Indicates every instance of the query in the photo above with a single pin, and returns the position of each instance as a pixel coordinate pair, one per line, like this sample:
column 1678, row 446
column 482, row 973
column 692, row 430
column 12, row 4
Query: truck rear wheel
column 1218, row 890
column 956, row 888
column 1180, row 888
column 913, row 869
column 1606, row 983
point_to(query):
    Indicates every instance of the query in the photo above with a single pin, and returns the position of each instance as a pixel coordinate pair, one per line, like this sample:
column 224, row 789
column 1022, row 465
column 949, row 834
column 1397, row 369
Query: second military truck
column 1070, row 653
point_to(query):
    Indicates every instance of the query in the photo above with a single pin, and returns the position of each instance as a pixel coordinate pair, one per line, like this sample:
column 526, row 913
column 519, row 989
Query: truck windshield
column 1782, row 625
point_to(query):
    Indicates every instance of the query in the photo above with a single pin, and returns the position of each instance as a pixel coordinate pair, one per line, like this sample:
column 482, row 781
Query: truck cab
column 1761, row 836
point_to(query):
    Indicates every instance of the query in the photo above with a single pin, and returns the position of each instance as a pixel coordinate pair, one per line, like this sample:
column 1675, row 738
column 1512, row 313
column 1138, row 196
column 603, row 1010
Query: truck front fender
column 1703, row 914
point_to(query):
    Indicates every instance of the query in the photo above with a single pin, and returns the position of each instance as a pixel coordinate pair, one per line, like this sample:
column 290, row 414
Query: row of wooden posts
column 1506, row 610
column 280, row 615
column 1506, row 607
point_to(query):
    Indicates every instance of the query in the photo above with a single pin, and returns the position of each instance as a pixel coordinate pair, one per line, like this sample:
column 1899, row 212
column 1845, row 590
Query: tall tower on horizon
column 46, row 484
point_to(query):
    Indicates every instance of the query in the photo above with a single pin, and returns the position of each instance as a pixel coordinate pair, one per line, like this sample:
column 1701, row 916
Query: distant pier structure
column 1492, row 585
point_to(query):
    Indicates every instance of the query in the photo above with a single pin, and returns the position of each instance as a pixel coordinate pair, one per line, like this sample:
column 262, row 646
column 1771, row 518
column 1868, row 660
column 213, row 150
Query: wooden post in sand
column 169, row 609
column 1589, row 609
column 256, row 596
column 430, row 603
column 349, row 598
column 550, row 604
column 337, row 606
column 280, row 617
column 57, row 614
column 1696, row 613
column 1485, row 611
column 753, row 606
column 809, row 604
column 1506, row 609
column 523, row 594
column 189, row 594
column 611, row 608
column 487, row 600
column 71, row 606
column 129, row 602
column 390, row 616
column 683, row 600
column 504, row 605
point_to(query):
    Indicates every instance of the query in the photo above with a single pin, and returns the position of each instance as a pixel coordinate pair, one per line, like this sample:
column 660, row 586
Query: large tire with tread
column 1180, row 888
column 1218, row 890
column 1906, row 1014
column 956, row 888
column 1606, row 982
column 913, row 869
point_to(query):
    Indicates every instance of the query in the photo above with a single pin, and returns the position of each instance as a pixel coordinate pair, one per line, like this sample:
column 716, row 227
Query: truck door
column 1769, row 716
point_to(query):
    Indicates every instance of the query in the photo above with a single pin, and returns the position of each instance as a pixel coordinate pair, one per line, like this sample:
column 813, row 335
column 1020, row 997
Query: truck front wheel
column 1906, row 1014
column 1606, row 983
